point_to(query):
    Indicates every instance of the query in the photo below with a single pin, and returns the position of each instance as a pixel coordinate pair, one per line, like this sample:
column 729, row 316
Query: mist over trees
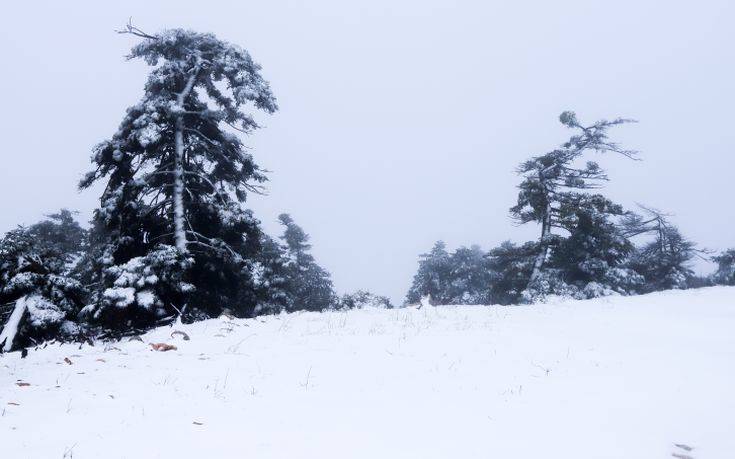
column 173, row 239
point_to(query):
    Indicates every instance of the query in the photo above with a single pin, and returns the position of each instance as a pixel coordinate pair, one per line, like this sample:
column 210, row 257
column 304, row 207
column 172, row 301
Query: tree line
column 588, row 246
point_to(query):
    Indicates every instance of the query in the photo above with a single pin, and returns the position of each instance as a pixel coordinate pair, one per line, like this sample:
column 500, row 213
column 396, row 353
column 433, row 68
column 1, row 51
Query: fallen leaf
column 22, row 384
column 67, row 360
column 13, row 403
column 100, row 360
column 197, row 423
column 163, row 347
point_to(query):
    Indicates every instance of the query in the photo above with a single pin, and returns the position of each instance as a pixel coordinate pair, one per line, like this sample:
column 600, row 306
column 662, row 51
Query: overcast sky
column 401, row 122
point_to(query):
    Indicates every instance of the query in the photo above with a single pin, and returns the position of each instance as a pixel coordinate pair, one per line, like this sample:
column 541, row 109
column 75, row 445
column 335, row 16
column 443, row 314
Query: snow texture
column 10, row 330
column 604, row 378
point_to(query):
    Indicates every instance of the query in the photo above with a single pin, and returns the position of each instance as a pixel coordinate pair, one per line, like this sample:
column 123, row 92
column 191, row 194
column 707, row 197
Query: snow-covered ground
column 609, row 378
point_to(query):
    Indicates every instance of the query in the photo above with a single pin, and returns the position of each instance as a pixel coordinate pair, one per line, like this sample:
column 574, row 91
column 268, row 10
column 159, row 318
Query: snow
column 121, row 296
column 146, row 299
column 605, row 378
column 10, row 330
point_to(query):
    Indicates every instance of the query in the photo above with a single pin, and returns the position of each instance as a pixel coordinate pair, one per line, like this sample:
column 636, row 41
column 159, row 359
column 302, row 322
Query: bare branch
column 132, row 30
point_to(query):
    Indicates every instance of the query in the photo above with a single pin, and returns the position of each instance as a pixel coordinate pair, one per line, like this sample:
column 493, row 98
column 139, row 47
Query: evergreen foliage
column 363, row 299
column 432, row 277
column 171, row 235
column 462, row 277
column 553, row 183
column 290, row 278
column 664, row 261
column 725, row 274
column 39, row 298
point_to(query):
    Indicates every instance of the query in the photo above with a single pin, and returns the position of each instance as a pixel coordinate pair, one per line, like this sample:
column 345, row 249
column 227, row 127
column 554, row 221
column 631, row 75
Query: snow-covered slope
column 608, row 378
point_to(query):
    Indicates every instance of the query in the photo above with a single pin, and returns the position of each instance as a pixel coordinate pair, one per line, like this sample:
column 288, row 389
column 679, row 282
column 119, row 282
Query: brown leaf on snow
column 178, row 332
column 163, row 347
column 100, row 360
column 13, row 403
column 22, row 384
column 197, row 423
column 67, row 360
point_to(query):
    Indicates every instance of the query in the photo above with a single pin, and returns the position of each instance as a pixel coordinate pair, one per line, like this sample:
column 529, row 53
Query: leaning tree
column 553, row 182
column 171, row 230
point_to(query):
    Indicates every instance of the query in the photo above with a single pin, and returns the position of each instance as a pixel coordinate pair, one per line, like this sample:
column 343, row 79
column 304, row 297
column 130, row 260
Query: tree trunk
column 11, row 328
column 179, row 231
column 541, row 257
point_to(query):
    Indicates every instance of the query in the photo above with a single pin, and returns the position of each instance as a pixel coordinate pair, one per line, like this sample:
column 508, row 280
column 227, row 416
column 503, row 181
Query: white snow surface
column 620, row 377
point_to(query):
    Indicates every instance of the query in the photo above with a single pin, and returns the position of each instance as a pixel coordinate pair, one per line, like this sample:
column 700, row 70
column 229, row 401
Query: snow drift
column 615, row 377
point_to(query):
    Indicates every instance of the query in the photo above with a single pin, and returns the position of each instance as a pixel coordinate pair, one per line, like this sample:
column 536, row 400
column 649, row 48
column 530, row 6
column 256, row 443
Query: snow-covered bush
column 624, row 281
column 38, row 297
column 142, row 290
column 363, row 299
column 548, row 284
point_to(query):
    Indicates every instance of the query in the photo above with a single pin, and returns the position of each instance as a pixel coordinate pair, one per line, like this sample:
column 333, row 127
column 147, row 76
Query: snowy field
column 610, row 378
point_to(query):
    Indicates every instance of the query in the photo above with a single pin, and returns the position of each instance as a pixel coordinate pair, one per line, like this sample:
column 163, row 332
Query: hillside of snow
column 609, row 378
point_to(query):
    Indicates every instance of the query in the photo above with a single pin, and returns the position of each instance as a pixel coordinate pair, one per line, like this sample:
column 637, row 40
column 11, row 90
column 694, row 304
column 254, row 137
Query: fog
column 401, row 123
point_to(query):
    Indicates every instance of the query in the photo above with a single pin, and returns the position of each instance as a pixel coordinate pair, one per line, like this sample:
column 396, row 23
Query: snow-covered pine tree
column 39, row 298
column 510, row 266
column 273, row 278
column 308, row 285
column 591, row 259
column 725, row 274
column 433, row 276
column 554, row 177
column 470, row 276
column 171, row 233
column 664, row 261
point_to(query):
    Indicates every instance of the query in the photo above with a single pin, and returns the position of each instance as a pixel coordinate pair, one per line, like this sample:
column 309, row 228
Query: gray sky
column 401, row 122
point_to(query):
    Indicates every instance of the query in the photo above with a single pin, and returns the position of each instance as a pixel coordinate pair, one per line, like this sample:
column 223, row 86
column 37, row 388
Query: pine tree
column 171, row 233
column 308, row 285
column 273, row 278
column 553, row 181
column 470, row 277
column 37, row 290
column 591, row 259
column 510, row 268
column 433, row 276
column 725, row 274
column 663, row 261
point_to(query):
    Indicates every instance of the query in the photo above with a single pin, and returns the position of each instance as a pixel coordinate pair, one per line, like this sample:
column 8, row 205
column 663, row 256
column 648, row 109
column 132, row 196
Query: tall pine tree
column 171, row 233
